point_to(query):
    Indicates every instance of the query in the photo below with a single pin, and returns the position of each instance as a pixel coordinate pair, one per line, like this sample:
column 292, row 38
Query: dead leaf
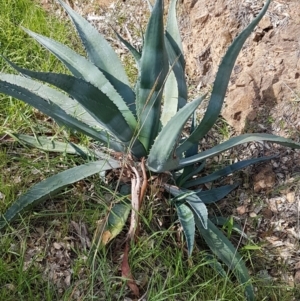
column 126, row 272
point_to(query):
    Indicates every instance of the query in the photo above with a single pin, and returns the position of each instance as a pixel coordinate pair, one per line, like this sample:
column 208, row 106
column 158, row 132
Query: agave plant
column 145, row 123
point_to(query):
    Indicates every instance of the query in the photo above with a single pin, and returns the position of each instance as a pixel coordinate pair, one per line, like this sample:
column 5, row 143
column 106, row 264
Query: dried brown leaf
column 126, row 272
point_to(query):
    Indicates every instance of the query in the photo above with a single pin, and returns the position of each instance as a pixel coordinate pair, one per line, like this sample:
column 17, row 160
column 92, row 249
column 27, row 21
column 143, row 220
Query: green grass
column 158, row 261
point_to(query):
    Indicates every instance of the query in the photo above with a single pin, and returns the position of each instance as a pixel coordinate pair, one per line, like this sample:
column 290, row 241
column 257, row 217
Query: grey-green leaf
column 226, row 171
column 135, row 53
column 44, row 99
column 162, row 154
column 170, row 104
column 52, row 145
column 101, row 54
column 220, row 85
column 237, row 141
column 84, row 69
column 215, row 194
column 190, row 197
column 53, row 185
column 94, row 101
column 187, row 221
column 154, row 68
column 227, row 253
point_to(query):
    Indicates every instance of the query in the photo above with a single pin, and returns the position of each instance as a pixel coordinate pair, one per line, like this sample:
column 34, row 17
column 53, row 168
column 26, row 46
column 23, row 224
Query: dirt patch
column 266, row 73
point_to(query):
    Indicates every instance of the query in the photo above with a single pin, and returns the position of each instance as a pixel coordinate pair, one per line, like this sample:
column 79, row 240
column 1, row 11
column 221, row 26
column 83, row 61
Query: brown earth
column 266, row 76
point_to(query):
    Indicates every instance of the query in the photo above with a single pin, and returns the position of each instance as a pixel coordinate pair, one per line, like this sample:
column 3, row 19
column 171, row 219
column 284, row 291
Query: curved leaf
column 222, row 221
column 188, row 172
column 227, row 253
column 179, row 73
column 170, row 106
column 44, row 99
column 51, row 145
column 172, row 26
column 113, row 224
column 51, row 186
column 215, row 265
column 68, row 104
column 191, row 170
column 220, row 85
column 82, row 68
column 95, row 102
column 226, row 171
column 215, row 194
column 102, row 55
column 135, row 53
column 190, row 197
column 187, row 221
column 153, row 72
column 161, row 157
column 176, row 58
column 237, row 141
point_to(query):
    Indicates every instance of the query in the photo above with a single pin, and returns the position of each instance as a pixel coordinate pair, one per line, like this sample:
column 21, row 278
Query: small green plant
column 144, row 123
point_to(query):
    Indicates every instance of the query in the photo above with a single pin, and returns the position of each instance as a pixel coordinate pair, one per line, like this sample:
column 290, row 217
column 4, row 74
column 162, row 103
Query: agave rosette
column 146, row 121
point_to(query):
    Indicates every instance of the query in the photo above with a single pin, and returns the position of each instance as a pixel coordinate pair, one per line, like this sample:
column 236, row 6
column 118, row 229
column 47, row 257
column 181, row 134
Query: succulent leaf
column 226, row 252
column 51, row 186
column 237, row 141
column 113, row 224
column 45, row 99
column 220, row 85
column 223, row 221
column 187, row 221
column 52, row 145
column 81, row 68
column 95, row 102
column 172, row 27
column 226, row 171
column 175, row 54
column 102, row 55
column 153, row 71
column 135, row 53
column 216, row 194
column 161, row 157
column 170, row 103
column 190, row 197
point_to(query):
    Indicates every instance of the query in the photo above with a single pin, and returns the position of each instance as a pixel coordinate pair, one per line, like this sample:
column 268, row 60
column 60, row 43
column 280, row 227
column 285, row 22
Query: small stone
column 57, row 246
column 291, row 197
column 241, row 209
column 253, row 214
column 252, row 115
